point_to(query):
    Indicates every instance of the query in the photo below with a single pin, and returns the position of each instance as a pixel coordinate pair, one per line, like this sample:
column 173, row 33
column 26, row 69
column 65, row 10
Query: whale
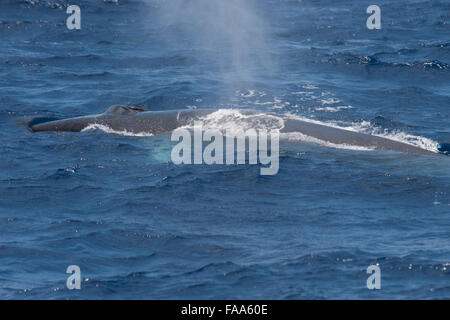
column 123, row 118
column 137, row 120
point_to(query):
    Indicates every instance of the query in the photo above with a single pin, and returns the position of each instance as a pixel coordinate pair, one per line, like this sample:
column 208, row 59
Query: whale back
column 346, row 137
column 123, row 110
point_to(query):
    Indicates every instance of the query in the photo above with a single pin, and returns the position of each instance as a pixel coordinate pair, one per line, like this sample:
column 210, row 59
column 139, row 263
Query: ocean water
column 141, row 227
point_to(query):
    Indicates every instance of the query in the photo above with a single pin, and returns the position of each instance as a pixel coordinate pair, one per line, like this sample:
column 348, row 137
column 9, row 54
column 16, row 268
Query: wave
column 444, row 148
column 107, row 129
column 333, row 109
column 373, row 61
column 94, row 75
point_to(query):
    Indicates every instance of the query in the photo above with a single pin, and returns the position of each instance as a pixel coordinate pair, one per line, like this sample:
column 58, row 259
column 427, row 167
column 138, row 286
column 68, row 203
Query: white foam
column 265, row 103
column 310, row 87
column 232, row 120
column 303, row 93
column 251, row 93
column 330, row 101
column 333, row 109
column 399, row 136
column 107, row 129
column 276, row 101
column 248, row 94
column 297, row 136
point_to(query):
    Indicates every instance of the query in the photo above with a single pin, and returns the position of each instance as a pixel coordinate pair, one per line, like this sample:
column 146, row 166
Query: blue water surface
column 141, row 227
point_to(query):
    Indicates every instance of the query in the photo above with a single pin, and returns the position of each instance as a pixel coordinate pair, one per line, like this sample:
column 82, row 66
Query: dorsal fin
column 123, row 110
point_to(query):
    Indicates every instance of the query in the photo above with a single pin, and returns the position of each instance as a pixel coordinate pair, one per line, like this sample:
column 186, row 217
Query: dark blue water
column 139, row 226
